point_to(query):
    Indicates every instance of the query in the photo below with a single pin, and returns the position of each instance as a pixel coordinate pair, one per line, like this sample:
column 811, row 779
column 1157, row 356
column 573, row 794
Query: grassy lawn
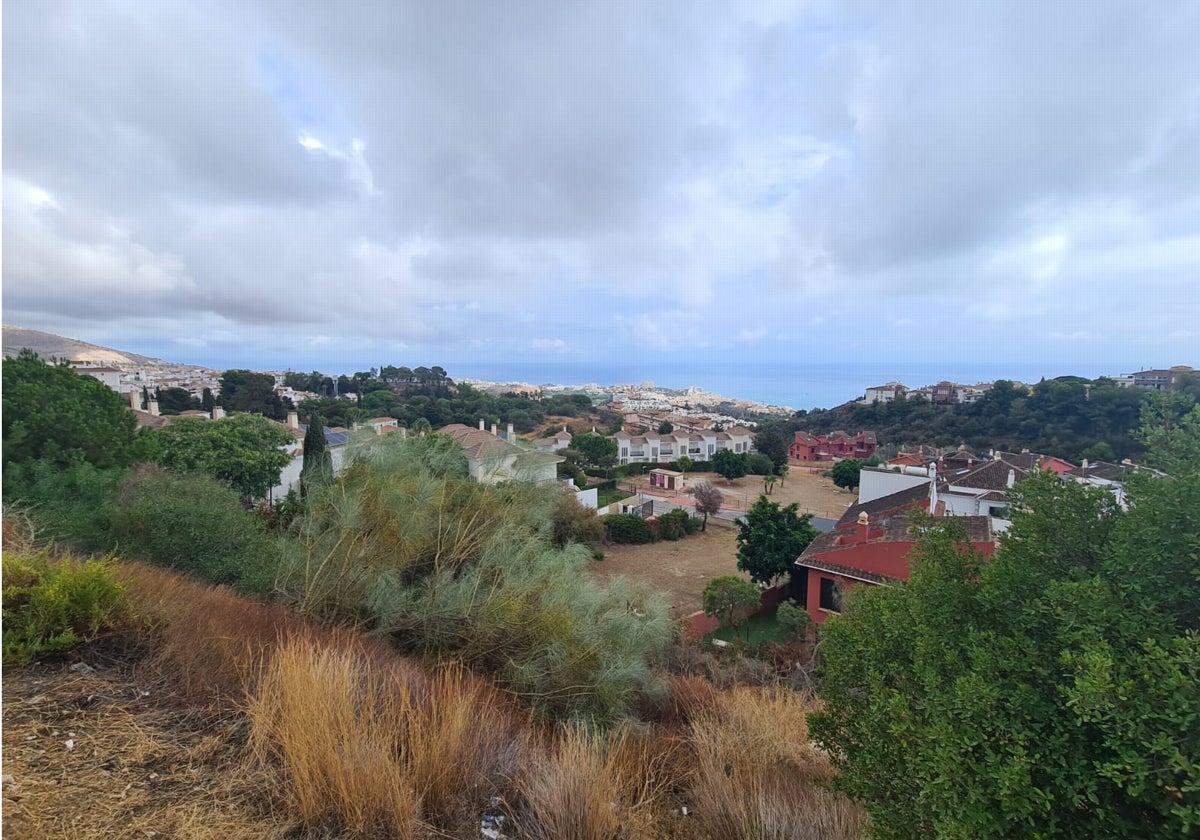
column 757, row 629
column 607, row 497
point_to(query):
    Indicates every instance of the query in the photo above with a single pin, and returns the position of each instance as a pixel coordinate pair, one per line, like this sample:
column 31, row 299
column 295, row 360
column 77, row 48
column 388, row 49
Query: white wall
column 877, row 483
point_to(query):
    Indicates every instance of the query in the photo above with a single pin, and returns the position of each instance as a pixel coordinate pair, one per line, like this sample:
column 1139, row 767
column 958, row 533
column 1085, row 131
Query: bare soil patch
column 102, row 754
column 680, row 570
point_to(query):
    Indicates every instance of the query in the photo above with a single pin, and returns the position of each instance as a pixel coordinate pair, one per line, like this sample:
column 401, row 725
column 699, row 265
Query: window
column 831, row 595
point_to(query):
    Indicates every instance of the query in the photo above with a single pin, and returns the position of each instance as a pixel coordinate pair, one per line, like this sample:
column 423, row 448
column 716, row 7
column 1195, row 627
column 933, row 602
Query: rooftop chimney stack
column 481, row 424
column 152, row 407
column 510, row 436
column 293, row 420
column 1012, row 478
column 135, row 400
column 864, row 527
column 218, row 412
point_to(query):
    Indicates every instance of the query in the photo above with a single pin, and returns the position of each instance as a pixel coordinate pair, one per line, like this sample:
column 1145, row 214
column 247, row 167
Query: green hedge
column 627, row 528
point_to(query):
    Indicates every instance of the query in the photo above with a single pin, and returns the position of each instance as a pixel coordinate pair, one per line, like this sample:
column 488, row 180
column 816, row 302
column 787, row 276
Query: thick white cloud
column 454, row 179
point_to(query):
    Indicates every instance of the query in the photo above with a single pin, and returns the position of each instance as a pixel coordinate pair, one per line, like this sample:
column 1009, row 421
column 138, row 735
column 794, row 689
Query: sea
column 794, row 385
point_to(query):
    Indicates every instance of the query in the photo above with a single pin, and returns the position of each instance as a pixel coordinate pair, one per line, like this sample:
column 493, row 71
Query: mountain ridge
column 51, row 346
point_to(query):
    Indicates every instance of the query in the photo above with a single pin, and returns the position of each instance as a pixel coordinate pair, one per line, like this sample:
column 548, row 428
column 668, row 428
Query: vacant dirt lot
column 815, row 493
column 682, row 569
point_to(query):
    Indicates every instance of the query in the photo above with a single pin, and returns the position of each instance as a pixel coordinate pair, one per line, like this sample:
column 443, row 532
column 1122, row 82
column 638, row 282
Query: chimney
column 494, row 434
column 218, row 412
column 1012, row 478
column 481, row 424
column 864, row 527
column 153, row 407
column 293, row 420
column 135, row 400
column 510, row 437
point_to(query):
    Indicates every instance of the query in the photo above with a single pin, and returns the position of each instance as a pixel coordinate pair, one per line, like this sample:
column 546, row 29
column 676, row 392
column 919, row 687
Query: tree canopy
column 243, row 450
column 595, row 450
column 770, row 538
column 770, row 441
column 728, row 464
column 1053, row 691
column 244, row 390
column 53, row 414
column 729, row 598
column 845, row 473
column 1063, row 416
column 708, row 500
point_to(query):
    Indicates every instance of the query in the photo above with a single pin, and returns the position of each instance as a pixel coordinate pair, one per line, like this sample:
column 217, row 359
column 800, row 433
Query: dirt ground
column 682, row 569
column 815, row 493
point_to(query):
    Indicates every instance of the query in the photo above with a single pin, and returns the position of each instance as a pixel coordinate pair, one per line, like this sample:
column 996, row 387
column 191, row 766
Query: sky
column 344, row 185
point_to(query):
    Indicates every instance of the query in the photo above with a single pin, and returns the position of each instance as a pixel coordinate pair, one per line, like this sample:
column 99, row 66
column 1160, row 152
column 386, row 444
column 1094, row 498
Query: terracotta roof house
column 871, row 550
column 492, row 460
column 1027, row 460
column 555, row 443
column 810, row 447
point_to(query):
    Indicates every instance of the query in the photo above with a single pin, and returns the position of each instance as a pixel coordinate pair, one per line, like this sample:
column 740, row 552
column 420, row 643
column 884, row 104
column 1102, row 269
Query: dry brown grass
column 332, row 723
column 601, row 786
column 758, row 777
column 366, row 747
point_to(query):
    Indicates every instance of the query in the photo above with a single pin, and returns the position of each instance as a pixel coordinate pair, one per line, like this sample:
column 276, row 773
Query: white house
column 884, row 393
column 653, row 448
column 492, row 459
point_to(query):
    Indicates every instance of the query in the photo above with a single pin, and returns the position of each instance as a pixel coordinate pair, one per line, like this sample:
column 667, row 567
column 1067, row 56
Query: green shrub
column 195, row 524
column 51, row 605
column 627, row 528
column 68, row 504
column 528, row 613
column 575, row 523
column 675, row 525
column 759, row 464
column 794, row 620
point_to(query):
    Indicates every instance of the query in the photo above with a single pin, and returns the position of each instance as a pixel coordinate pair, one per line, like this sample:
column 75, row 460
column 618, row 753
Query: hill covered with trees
column 1071, row 417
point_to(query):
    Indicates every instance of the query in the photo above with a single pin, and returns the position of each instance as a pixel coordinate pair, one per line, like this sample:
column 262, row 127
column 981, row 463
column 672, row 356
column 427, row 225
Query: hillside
column 48, row 345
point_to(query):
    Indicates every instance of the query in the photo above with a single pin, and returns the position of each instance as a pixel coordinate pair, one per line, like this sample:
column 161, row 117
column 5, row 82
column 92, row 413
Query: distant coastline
column 796, row 385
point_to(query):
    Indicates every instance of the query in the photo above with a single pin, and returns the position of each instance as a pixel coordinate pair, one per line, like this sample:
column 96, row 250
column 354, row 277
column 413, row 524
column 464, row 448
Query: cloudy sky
column 337, row 185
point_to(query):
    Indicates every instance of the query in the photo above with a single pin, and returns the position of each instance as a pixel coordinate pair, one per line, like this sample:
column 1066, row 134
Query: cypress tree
column 317, row 468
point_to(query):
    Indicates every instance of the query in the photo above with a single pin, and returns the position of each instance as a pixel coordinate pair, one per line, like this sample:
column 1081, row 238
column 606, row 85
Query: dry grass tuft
column 333, row 722
column 371, row 746
column 600, row 786
column 461, row 739
column 758, row 777
column 207, row 642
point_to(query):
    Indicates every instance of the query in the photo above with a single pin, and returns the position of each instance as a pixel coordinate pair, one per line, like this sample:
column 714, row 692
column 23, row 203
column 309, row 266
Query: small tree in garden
column 794, row 620
column 729, row 598
column 708, row 500
column 684, row 463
